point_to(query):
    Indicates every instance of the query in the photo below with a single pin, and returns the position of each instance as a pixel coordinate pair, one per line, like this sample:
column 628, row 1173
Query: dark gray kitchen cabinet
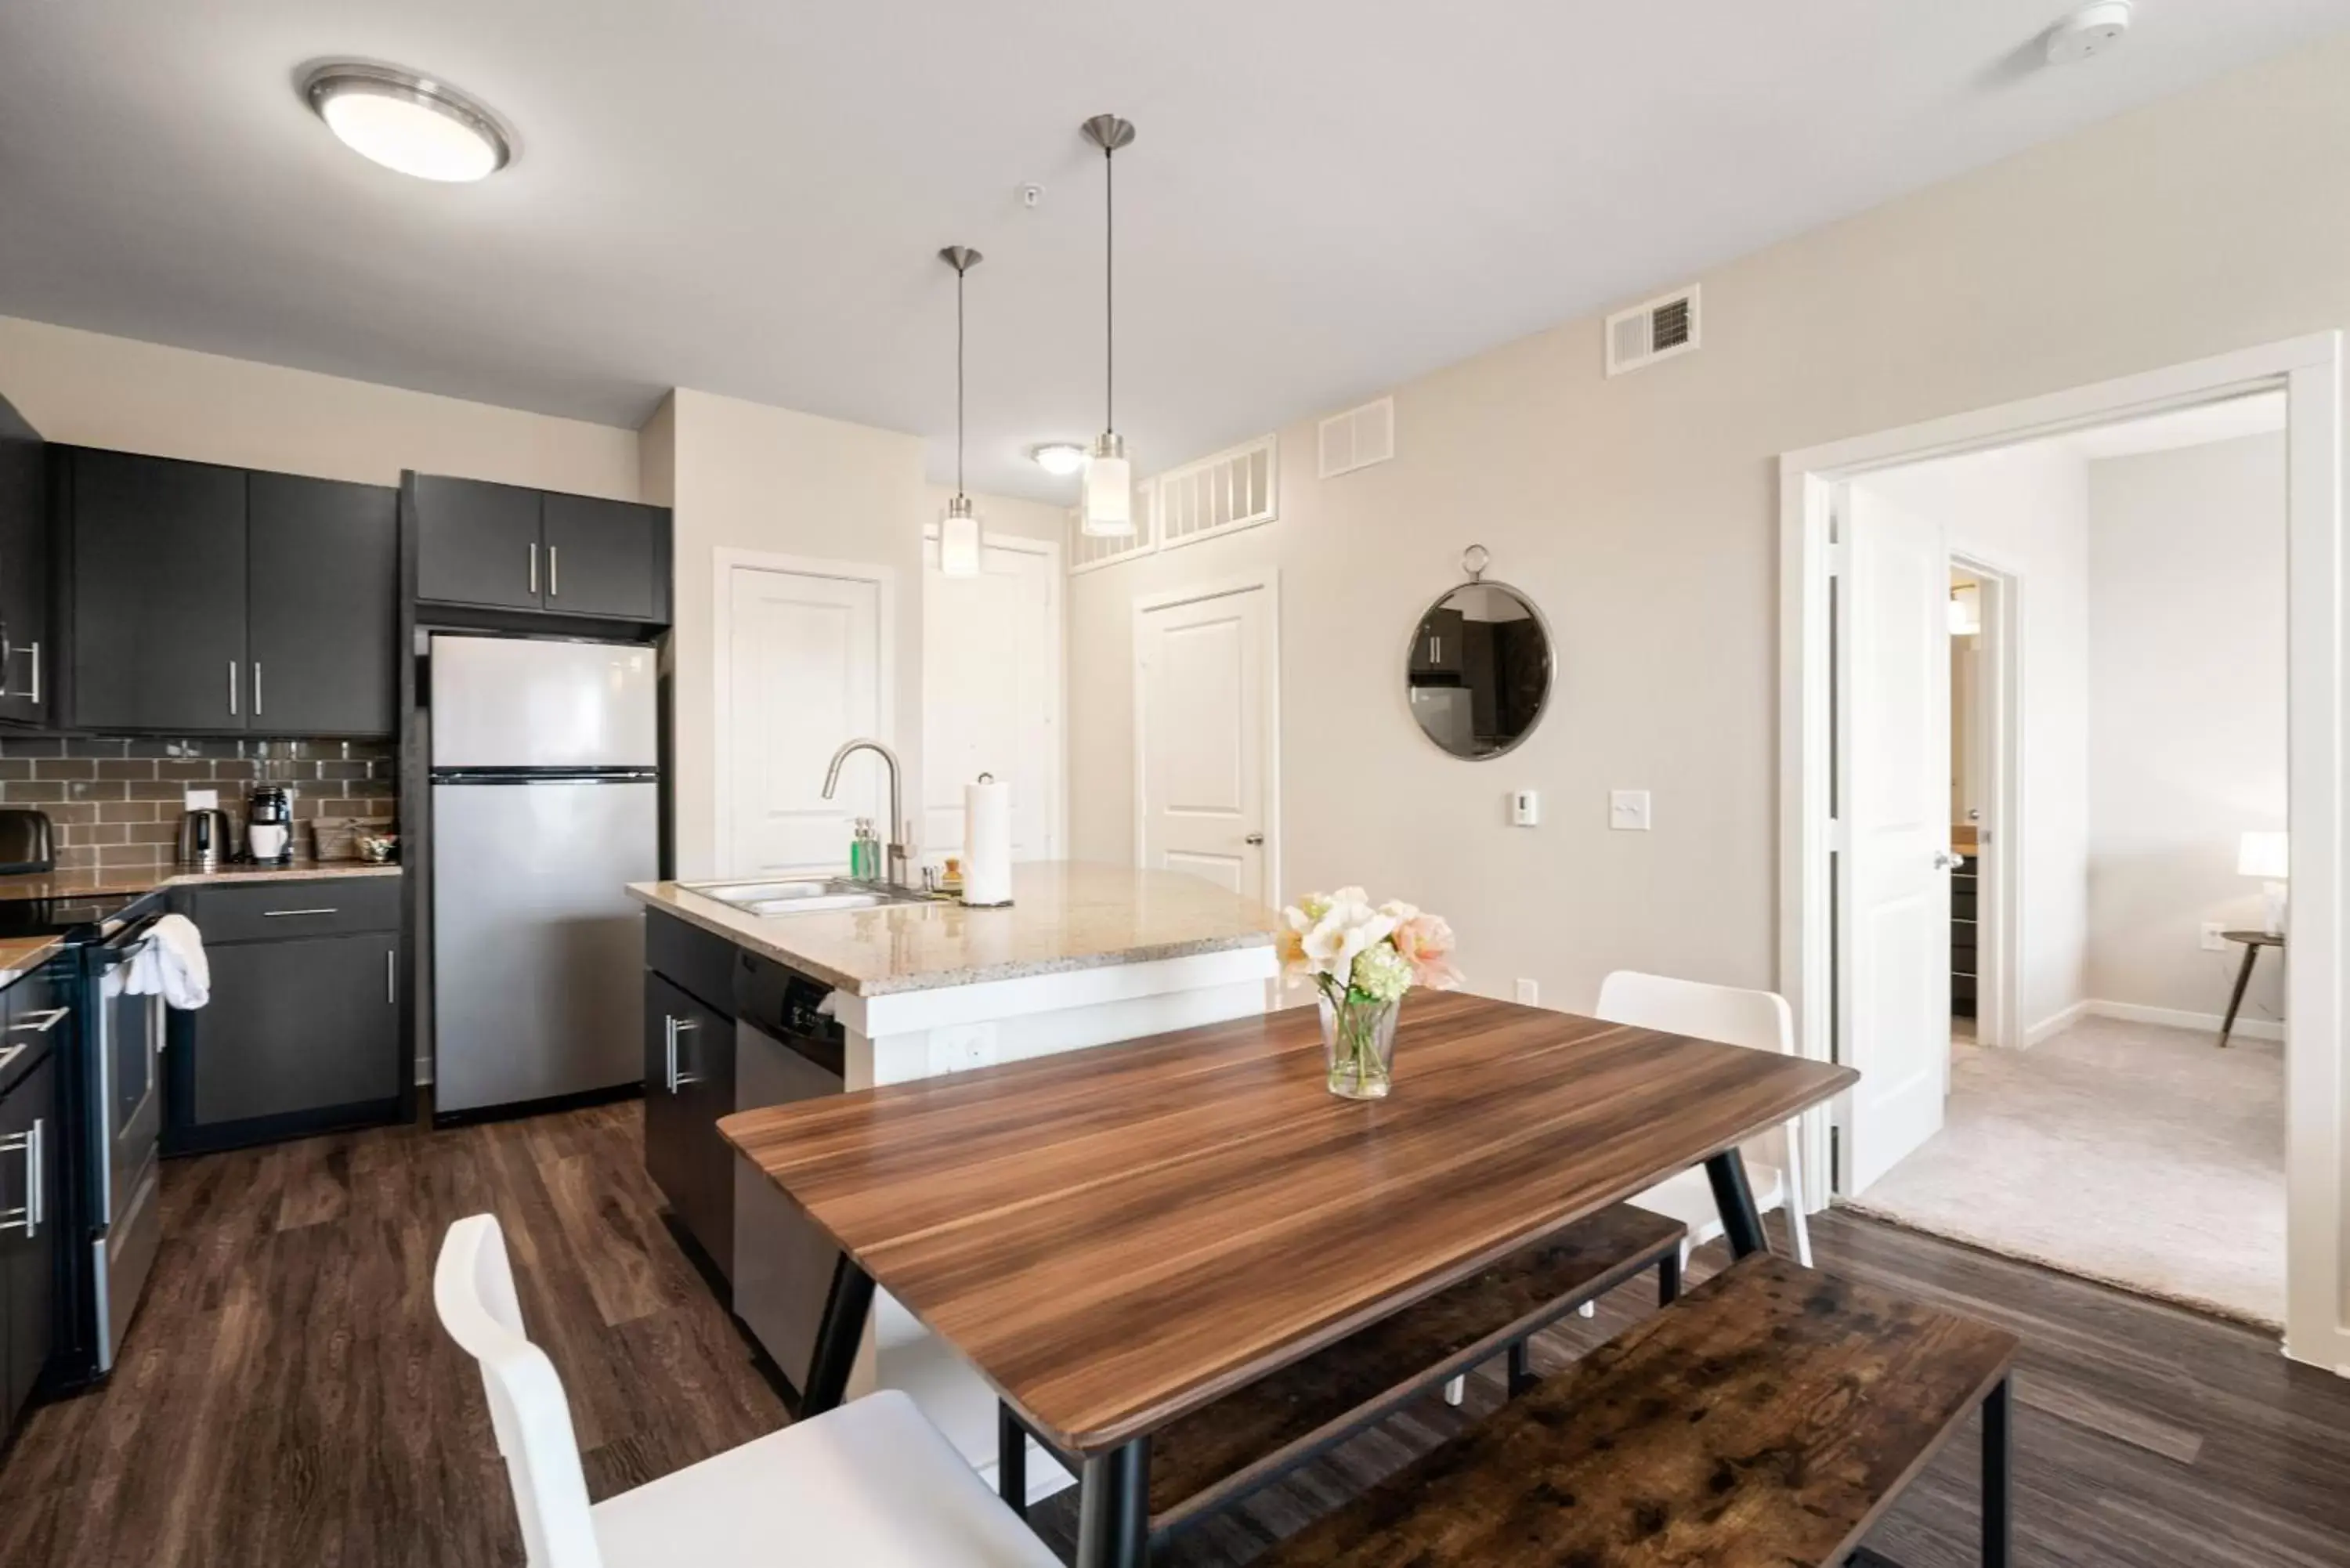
column 605, row 558
column 688, row 1085
column 24, row 642
column 322, row 577
column 477, row 544
column 158, row 583
column 29, row 1167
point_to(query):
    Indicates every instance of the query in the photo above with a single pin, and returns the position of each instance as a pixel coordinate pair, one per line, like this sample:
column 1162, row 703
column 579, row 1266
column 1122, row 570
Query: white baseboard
column 2173, row 1018
column 2057, row 1023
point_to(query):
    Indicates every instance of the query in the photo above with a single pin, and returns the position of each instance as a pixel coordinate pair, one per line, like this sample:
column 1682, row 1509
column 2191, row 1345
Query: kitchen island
column 826, row 1000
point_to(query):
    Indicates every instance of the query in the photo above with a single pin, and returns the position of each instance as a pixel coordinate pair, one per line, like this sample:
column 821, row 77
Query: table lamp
column 2263, row 854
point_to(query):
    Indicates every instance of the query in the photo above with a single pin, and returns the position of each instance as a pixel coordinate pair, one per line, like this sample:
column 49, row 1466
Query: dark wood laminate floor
column 287, row 1397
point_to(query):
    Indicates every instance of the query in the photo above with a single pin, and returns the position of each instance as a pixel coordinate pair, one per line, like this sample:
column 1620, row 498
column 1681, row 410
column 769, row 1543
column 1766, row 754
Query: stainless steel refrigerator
column 545, row 803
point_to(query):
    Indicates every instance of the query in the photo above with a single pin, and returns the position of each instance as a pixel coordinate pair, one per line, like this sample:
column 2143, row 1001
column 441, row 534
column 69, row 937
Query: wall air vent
column 1657, row 330
column 1358, row 438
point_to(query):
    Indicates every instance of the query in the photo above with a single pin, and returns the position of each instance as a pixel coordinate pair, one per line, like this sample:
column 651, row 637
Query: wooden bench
column 1254, row 1434
column 1766, row 1420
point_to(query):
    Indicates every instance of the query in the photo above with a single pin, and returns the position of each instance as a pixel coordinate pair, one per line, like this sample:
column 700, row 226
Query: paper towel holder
column 964, row 898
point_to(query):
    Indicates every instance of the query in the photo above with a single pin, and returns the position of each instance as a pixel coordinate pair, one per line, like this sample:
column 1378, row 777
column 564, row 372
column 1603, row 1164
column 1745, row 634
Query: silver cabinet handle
column 668, row 1043
column 554, row 572
column 289, row 914
column 673, row 1027
column 48, row 1021
column 11, row 1053
column 35, row 648
column 391, row 976
column 534, row 566
column 231, row 688
column 256, row 689
column 28, row 1217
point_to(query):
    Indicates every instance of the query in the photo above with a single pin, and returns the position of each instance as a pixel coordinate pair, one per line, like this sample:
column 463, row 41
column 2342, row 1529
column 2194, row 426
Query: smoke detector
column 2088, row 32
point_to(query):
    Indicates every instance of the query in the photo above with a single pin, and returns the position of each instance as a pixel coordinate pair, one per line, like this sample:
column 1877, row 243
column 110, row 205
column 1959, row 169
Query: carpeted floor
column 2130, row 1153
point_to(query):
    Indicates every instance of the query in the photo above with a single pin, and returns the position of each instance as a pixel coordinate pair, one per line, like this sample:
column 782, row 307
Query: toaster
column 28, row 842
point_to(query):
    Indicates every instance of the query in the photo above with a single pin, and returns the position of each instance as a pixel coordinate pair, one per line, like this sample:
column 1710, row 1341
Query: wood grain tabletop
column 1115, row 1236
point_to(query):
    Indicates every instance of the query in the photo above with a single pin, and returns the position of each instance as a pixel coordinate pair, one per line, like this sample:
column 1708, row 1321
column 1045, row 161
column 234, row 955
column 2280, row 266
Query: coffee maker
column 269, row 826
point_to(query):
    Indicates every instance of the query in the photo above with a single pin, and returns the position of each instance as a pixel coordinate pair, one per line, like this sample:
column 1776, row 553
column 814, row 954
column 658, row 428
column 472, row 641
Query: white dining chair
column 1759, row 1020
column 871, row 1484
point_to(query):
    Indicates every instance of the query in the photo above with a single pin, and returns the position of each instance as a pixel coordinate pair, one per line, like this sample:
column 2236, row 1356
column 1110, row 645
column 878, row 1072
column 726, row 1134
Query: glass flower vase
column 1358, row 1046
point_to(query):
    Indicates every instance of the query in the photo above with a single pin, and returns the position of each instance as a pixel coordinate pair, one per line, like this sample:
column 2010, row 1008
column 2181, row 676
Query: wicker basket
column 338, row 837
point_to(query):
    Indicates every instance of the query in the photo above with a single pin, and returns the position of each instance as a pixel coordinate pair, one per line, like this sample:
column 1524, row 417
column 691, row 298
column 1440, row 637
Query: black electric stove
column 81, row 919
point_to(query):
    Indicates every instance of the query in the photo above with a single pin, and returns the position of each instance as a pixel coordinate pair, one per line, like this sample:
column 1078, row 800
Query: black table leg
column 2235, row 997
column 1521, row 1370
column 1669, row 1279
column 1114, row 1507
column 1998, row 1458
column 1739, row 1222
column 1011, row 1459
column 838, row 1337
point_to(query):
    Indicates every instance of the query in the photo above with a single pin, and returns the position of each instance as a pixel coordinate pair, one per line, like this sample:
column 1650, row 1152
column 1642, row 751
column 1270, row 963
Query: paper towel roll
column 986, row 841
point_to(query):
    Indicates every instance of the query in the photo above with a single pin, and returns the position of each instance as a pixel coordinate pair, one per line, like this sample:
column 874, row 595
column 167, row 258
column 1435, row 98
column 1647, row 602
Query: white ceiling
column 1326, row 197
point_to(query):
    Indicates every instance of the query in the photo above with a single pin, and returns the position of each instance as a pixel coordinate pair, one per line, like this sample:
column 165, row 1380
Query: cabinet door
column 684, row 1097
column 25, row 643
column 606, row 558
column 296, row 1026
column 157, row 594
column 322, row 567
column 29, row 1246
column 477, row 544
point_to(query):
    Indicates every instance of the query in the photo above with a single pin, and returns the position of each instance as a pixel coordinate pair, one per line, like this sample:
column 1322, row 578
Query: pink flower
column 1425, row 941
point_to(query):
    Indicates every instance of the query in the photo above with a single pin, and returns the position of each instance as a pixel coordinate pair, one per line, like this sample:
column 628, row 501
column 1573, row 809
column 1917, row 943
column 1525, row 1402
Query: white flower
column 1381, row 973
column 1400, row 911
column 1346, row 927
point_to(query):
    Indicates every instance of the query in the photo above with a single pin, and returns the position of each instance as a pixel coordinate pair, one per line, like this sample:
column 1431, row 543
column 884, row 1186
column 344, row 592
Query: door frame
column 2317, row 1057
column 1050, row 550
column 725, row 561
column 1268, row 662
column 1999, row 918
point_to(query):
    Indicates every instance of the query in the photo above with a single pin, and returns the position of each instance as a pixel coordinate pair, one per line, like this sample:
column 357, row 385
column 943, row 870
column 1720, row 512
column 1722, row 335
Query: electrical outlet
column 1628, row 810
column 2211, row 942
column 962, row 1046
column 1526, row 807
column 1529, row 993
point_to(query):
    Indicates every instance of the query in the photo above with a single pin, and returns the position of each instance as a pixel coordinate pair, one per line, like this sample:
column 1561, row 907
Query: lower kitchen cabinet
column 689, row 1080
column 29, row 1235
column 302, row 1031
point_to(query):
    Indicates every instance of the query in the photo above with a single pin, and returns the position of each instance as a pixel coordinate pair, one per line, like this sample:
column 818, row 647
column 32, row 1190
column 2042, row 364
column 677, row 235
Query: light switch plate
column 1628, row 810
column 204, row 800
column 1526, row 807
column 2212, row 941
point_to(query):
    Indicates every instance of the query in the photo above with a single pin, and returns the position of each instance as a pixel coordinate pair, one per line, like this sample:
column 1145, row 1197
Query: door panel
column 1201, row 723
column 27, row 1257
column 686, row 1156
column 804, row 674
column 992, row 696
column 604, row 558
column 477, row 544
column 159, row 594
column 298, row 1026
column 1895, row 732
column 323, row 567
column 28, row 654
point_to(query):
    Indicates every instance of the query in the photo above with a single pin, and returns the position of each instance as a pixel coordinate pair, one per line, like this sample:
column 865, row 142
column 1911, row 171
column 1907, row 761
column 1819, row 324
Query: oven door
column 129, row 1113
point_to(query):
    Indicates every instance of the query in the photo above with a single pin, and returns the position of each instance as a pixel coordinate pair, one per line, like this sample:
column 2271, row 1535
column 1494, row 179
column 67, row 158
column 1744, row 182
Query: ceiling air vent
column 1358, row 438
column 1657, row 330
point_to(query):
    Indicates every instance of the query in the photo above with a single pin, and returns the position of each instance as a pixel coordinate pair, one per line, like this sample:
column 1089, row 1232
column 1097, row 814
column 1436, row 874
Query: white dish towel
column 170, row 964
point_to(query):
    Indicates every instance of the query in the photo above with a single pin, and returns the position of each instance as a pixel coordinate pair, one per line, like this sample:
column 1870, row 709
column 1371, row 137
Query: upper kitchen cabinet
column 23, row 573
column 202, row 599
column 322, row 610
column 496, row 546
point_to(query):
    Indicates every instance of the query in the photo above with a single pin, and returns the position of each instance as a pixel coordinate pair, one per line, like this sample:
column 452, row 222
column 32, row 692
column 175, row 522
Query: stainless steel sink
column 802, row 895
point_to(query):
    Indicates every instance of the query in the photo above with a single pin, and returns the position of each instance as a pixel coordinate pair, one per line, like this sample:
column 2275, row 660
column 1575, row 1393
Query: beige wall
column 1641, row 514
column 2187, row 715
column 90, row 389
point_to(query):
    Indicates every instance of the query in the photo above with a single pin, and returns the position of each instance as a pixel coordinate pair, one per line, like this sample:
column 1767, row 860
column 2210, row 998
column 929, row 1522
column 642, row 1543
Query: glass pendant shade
column 959, row 540
column 1109, row 491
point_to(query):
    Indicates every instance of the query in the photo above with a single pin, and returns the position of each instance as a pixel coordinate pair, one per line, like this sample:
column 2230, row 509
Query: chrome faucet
column 897, row 872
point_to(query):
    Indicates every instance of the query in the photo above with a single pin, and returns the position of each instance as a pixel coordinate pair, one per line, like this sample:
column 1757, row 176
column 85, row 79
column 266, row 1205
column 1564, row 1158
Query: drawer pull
column 48, row 1021
column 28, row 1217
column 11, row 1053
column 289, row 914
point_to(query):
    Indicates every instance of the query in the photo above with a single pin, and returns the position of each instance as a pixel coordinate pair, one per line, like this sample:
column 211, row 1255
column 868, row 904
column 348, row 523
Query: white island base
column 899, row 1036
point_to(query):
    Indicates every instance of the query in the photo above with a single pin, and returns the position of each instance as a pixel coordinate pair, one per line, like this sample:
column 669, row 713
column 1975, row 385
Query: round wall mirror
column 1480, row 669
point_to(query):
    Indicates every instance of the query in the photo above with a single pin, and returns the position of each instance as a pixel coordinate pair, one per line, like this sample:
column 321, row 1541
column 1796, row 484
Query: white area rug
column 2130, row 1153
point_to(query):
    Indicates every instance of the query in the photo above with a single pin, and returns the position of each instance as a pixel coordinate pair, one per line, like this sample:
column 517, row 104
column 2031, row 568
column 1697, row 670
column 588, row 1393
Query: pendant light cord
column 959, row 382
column 1110, row 291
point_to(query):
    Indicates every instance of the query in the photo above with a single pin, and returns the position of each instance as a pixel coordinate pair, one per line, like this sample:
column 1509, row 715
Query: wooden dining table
column 1115, row 1237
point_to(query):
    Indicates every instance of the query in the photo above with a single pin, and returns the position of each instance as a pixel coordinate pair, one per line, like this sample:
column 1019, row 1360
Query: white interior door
column 1201, row 669
column 991, row 695
column 805, row 667
column 1894, row 731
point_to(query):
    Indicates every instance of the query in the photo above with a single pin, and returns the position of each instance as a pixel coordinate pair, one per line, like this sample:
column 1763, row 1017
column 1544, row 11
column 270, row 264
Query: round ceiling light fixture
column 2088, row 32
column 1060, row 456
column 408, row 122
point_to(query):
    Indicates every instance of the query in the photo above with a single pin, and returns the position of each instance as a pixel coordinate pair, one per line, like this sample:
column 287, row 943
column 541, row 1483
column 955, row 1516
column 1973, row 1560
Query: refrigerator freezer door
column 537, row 952
column 511, row 702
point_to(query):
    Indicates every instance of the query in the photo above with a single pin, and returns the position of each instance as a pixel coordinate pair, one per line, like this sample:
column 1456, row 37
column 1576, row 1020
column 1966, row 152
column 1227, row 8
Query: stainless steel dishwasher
column 786, row 1049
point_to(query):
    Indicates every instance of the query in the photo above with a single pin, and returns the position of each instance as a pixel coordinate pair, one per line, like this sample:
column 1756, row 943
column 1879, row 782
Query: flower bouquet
column 1362, row 959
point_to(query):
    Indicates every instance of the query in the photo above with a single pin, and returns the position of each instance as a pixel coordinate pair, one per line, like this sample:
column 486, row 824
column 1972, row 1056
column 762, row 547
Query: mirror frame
column 1478, row 579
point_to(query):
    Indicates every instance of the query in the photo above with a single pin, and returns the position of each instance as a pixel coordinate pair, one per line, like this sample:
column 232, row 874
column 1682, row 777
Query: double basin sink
column 805, row 895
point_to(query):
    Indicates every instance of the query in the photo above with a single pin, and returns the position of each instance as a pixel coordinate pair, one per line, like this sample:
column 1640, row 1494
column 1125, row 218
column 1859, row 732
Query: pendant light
column 959, row 529
column 1109, row 478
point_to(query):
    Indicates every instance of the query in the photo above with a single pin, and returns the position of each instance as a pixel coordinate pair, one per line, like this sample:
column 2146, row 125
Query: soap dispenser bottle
column 864, row 851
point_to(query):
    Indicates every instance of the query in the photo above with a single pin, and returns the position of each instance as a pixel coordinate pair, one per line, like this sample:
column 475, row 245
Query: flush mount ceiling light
column 1109, row 478
column 1060, row 456
column 2088, row 32
column 959, row 529
column 408, row 122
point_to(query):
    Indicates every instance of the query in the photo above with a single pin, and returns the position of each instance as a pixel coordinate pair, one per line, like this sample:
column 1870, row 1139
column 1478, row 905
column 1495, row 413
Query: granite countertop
column 131, row 879
column 20, row 956
column 1065, row 914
